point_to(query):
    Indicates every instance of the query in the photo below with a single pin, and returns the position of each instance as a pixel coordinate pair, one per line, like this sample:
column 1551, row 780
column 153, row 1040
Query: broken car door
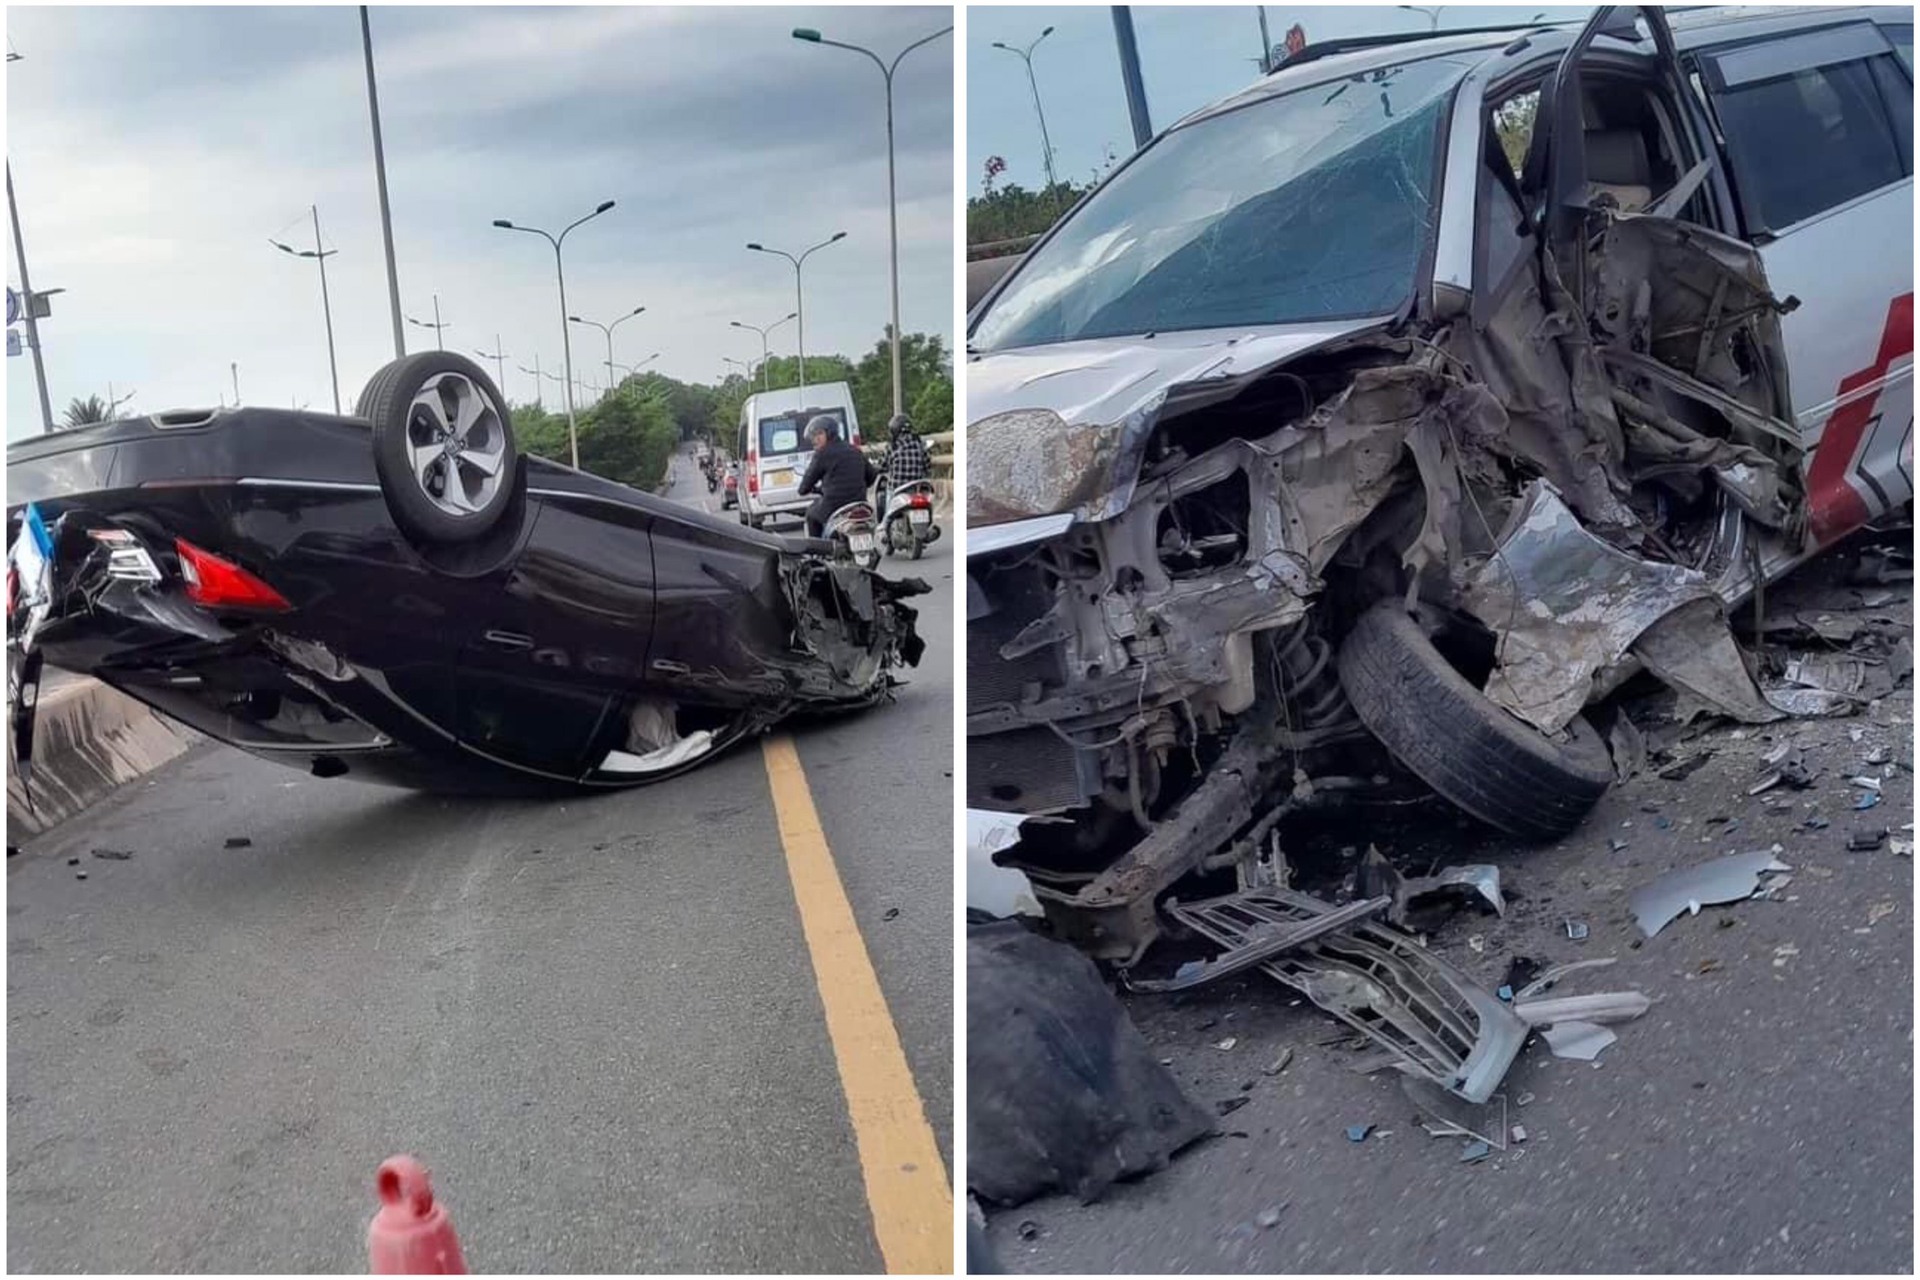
column 1818, row 131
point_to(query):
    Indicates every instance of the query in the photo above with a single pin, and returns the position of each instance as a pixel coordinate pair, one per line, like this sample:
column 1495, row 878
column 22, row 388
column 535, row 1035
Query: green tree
column 923, row 361
column 81, row 413
column 1012, row 212
column 933, row 408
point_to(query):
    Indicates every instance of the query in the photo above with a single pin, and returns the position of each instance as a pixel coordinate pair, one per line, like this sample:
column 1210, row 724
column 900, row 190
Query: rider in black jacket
column 838, row 474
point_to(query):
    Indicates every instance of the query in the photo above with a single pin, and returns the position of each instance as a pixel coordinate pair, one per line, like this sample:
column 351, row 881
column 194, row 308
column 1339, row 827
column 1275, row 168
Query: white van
column 774, row 451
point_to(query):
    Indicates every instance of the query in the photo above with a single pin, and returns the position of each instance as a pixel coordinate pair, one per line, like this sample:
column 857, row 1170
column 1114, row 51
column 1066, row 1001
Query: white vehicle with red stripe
column 1413, row 398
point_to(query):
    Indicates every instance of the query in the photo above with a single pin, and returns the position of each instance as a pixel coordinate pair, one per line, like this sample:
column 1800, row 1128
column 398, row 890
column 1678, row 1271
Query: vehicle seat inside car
column 1618, row 166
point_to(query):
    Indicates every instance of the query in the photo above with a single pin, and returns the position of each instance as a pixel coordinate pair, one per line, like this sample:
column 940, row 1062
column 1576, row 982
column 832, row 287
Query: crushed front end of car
column 1158, row 604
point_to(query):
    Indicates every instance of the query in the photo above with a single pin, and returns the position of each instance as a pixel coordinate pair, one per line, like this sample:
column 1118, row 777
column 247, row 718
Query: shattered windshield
column 1314, row 205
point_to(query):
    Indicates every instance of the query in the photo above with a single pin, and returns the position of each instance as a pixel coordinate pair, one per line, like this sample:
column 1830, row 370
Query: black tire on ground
column 1490, row 763
column 387, row 404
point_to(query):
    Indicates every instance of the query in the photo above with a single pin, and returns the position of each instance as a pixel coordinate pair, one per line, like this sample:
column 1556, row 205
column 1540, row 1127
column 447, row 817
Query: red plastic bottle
column 411, row 1235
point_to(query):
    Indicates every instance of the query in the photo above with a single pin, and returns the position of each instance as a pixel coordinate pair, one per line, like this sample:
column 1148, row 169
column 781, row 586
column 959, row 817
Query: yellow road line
column 907, row 1189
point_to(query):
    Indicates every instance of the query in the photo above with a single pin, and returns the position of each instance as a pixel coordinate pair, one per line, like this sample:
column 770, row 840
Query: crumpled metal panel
column 1564, row 605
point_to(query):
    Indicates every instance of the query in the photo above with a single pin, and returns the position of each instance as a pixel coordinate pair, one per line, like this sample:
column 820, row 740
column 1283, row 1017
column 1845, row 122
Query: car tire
column 409, row 404
column 1459, row 742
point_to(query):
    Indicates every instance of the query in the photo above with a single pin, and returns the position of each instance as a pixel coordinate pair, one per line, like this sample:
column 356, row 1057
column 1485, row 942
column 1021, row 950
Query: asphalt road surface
column 1759, row 1118
column 597, row 1021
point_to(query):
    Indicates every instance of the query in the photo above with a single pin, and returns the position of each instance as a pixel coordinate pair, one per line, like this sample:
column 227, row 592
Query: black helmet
column 898, row 426
column 823, row 422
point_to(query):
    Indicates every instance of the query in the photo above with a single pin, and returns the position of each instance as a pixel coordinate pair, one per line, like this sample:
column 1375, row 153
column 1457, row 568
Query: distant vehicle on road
column 773, row 448
column 402, row 596
column 730, row 487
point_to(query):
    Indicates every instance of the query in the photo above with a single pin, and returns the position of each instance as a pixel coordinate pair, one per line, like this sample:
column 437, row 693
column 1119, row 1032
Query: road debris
column 1865, row 839
column 1577, row 930
column 1454, row 1116
column 1519, row 1133
column 1581, row 1041
column 1279, row 1064
column 891, row 913
column 1358, row 1132
column 1602, row 1007
column 1228, row 1043
column 1269, row 1218
column 1474, row 1152
column 239, row 842
column 1687, row 889
column 1879, row 911
column 113, row 855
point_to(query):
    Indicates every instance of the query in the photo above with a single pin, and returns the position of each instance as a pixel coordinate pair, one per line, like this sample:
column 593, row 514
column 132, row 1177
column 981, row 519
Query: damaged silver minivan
column 1366, row 428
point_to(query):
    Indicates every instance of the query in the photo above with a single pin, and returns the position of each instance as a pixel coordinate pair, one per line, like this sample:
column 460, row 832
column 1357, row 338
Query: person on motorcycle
column 907, row 458
column 838, row 474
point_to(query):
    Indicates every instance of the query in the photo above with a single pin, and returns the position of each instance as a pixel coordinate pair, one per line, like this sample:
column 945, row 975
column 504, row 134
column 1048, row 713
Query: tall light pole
column 499, row 357
column 437, row 327
column 566, row 334
column 1432, row 12
column 27, row 298
column 763, row 331
column 539, row 397
column 1026, row 55
column 320, row 256
column 893, row 214
column 799, row 301
column 608, row 330
column 380, row 172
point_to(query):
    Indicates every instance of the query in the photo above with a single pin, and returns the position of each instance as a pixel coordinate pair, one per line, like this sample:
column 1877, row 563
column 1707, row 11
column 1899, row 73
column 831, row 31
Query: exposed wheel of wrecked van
column 1459, row 742
column 442, row 445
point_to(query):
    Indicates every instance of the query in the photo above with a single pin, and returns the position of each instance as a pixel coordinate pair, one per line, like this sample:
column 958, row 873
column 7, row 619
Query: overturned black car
column 403, row 597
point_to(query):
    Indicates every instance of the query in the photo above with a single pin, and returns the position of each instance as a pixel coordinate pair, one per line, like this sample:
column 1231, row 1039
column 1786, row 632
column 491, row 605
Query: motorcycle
column 908, row 525
column 850, row 529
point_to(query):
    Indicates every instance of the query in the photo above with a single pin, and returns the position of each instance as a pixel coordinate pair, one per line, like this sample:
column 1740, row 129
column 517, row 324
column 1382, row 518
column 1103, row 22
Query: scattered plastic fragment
column 1269, row 1217
column 79, row 875
column 1546, row 979
column 1900, row 848
column 1474, row 1152
column 1865, row 839
column 112, row 855
column 1601, row 1007
column 1477, row 944
column 1227, row 1106
column 1687, row 889
column 1878, row 755
column 1878, row 912
column 1782, row 954
column 1519, row 1133
column 1279, row 1064
column 1228, row 1043
column 1581, row 1041
column 1616, row 844
column 1577, row 930
column 891, row 913
column 1817, row 823
column 1663, row 822
column 1865, row 800
column 1358, row 1132
column 1504, row 992
column 239, row 842
column 1455, row 1116
column 1865, row 780
column 1523, row 1100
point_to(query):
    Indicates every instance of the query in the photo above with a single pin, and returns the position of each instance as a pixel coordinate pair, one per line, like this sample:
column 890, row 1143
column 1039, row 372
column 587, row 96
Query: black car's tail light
column 127, row 560
column 221, row 584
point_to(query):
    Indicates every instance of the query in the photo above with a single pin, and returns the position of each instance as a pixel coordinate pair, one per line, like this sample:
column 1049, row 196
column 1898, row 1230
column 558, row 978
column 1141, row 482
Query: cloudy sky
column 155, row 151
column 1189, row 57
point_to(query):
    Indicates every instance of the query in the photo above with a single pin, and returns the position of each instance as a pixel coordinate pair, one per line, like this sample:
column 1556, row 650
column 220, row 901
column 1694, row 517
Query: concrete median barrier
column 88, row 741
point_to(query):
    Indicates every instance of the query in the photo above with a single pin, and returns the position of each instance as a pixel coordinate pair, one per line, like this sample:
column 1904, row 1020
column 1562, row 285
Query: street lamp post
column 608, row 330
column 799, row 300
column 439, row 342
column 320, row 256
column 893, row 214
column 380, row 173
column 566, row 335
column 539, row 397
column 27, row 297
column 763, row 331
column 499, row 357
column 1026, row 55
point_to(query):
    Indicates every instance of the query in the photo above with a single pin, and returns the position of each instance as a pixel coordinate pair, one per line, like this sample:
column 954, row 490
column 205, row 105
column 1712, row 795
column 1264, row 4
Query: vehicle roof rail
column 1353, row 44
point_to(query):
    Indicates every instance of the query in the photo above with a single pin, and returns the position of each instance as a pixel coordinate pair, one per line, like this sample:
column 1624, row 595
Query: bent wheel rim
column 456, row 444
